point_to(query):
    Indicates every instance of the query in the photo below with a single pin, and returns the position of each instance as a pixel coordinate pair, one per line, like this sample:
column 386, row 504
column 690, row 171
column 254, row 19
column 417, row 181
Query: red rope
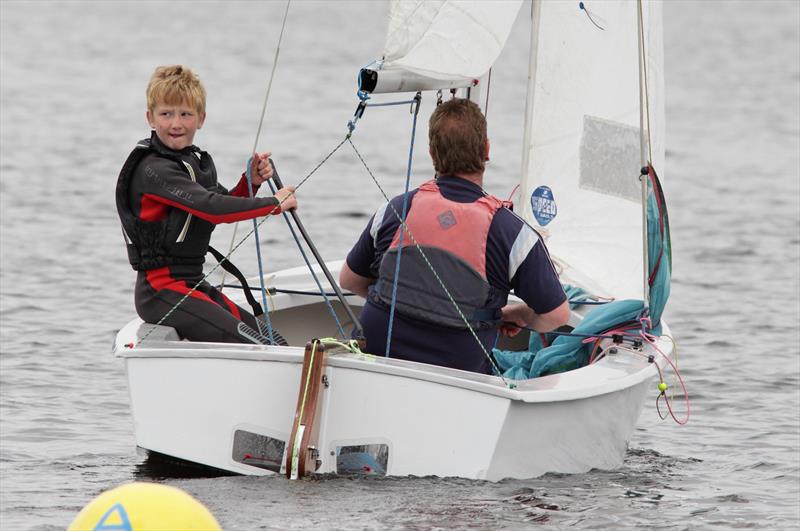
column 625, row 331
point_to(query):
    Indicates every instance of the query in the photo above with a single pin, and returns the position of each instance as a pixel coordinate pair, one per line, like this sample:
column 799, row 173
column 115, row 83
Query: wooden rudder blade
column 310, row 383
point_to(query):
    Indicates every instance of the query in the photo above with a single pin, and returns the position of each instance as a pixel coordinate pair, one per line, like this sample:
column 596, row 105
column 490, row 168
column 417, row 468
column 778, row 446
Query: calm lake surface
column 72, row 95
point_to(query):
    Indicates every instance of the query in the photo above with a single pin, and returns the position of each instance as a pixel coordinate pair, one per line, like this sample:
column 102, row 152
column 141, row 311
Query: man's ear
column 202, row 120
column 150, row 119
column 486, row 150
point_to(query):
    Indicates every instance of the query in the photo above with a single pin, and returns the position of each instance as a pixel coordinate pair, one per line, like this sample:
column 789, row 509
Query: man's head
column 176, row 105
column 457, row 138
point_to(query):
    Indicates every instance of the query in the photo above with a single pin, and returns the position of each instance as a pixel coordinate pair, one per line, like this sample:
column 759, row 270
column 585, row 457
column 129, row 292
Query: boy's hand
column 286, row 198
column 261, row 169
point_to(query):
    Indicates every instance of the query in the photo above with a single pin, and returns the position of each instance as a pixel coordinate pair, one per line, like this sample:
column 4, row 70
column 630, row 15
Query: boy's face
column 175, row 125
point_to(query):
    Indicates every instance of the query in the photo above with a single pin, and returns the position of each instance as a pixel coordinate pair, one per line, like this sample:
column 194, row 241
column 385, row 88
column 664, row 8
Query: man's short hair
column 457, row 137
column 174, row 85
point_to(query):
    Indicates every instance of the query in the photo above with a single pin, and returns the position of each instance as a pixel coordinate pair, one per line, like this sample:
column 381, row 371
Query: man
column 477, row 247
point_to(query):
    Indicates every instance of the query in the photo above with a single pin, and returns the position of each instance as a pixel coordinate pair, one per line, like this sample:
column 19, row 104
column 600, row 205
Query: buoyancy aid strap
column 493, row 202
column 419, row 294
column 460, row 228
column 228, row 266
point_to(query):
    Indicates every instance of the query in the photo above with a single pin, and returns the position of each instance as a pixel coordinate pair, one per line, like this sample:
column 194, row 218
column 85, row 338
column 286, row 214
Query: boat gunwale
column 610, row 374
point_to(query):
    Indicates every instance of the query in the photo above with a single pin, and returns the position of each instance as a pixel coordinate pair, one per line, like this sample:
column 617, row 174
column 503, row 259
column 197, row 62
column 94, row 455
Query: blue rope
column 311, row 269
column 402, row 222
column 258, row 253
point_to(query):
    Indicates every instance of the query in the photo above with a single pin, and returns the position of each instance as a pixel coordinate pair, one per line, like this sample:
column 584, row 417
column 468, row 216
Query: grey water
column 72, row 81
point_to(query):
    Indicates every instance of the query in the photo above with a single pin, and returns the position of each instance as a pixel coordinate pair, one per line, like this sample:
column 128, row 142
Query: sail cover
column 447, row 39
column 581, row 152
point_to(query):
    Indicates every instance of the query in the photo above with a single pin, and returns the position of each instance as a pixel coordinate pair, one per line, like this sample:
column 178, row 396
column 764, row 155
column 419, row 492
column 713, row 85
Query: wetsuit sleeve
column 241, row 189
column 166, row 184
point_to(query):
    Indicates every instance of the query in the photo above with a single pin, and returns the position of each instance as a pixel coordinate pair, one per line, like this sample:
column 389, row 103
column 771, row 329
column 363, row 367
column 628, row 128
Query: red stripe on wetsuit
column 232, row 217
column 242, row 190
column 161, row 278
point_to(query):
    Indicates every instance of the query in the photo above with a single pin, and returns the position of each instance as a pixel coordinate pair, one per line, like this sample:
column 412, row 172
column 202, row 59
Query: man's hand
column 260, row 168
column 520, row 315
column 286, row 198
column 513, row 316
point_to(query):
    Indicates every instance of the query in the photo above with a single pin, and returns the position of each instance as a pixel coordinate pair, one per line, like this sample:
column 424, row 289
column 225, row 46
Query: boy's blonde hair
column 174, row 85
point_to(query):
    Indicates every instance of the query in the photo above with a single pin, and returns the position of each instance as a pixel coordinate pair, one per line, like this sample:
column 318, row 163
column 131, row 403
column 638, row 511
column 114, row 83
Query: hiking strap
column 228, row 266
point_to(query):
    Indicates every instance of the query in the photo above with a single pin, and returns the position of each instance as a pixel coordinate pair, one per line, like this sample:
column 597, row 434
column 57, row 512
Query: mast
column 534, row 50
column 643, row 153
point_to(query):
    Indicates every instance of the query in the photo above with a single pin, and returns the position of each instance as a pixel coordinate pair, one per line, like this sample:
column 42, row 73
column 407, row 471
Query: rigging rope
column 591, row 19
column 310, row 268
column 267, row 320
column 249, row 181
column 662, row 386
column 393, row 304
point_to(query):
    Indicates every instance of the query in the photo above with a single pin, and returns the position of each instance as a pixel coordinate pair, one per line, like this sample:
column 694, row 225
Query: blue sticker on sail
column 543, row 205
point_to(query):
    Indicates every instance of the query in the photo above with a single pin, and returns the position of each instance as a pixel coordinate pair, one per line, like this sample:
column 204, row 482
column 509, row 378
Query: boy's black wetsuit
column 169, row 202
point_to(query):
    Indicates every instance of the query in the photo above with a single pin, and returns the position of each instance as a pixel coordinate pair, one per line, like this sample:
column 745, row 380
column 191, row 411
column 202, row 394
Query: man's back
column 445, row 342
column 477, row 249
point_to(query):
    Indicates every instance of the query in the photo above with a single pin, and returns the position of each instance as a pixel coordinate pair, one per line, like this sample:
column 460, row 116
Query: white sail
column 447, row 39
column 581, row 152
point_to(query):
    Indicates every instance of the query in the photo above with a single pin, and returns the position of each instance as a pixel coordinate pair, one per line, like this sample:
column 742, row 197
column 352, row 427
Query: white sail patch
column 610, row 158
column 526, row 240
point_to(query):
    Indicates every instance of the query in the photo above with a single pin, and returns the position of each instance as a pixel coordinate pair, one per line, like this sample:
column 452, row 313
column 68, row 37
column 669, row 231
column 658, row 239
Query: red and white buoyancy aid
column 452, row 237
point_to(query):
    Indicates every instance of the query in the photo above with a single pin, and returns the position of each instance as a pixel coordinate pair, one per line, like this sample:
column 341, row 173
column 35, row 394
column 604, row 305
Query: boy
column 169, row 201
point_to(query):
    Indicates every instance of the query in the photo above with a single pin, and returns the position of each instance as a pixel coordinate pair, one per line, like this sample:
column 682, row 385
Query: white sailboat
column 255, row 409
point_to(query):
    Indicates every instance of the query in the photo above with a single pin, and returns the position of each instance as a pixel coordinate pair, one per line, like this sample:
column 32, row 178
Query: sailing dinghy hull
column 231, row 406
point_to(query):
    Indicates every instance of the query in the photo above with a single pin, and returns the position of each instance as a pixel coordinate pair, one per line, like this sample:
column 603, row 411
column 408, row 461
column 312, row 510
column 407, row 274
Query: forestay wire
column 250, row 180
column 311, row 269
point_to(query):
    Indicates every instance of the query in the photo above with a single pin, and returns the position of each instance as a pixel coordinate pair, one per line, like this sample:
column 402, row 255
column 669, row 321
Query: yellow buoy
column 144, row 507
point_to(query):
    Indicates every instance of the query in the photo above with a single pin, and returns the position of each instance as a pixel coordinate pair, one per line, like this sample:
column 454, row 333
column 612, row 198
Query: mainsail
column 447, row 43
column 581, row 151
column 585, row 138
